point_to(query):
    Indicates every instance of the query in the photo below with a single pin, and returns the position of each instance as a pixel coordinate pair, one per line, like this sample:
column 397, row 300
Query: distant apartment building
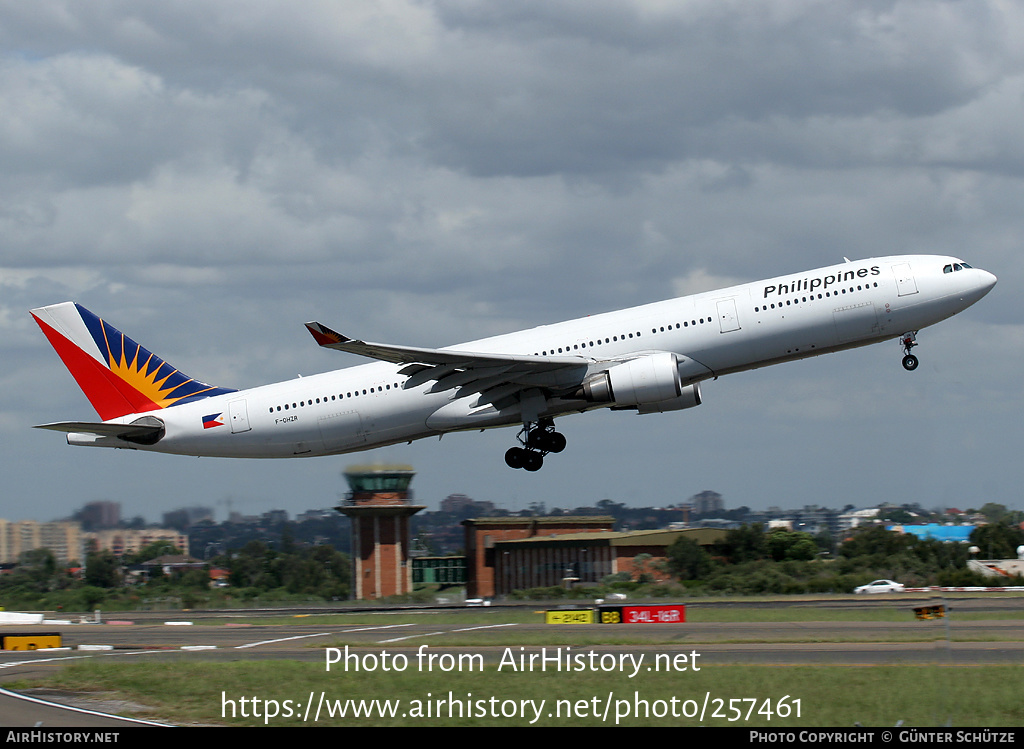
column 850, row 520
column 706, row 503
column 311, row 515
column 458, row 504
column 185, row 517
column 64, row 539
column 96, row 515
column 121, row 542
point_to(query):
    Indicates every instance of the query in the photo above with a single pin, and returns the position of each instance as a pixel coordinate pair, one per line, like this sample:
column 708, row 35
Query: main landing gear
column 537, row 440
column 909, row 340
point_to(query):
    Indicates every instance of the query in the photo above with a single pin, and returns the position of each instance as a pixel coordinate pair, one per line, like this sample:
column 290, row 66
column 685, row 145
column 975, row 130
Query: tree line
column 258, row 570
column 750, row 560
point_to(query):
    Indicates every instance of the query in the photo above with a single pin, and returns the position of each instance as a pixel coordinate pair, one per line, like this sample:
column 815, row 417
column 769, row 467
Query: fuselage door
column 239, row 416
column 905, row 283
column 727, row 317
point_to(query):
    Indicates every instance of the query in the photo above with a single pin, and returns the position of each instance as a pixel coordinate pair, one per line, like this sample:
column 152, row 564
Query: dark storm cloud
column 542, row 88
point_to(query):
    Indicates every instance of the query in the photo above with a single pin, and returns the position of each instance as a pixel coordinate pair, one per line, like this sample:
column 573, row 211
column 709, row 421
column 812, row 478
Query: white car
column 881, row 586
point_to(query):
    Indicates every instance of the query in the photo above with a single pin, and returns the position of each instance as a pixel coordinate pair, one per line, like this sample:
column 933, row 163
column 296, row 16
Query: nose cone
column 988, row 280
column 981, row 283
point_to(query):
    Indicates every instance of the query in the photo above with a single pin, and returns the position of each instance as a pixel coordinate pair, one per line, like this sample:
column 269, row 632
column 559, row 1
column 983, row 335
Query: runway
column 216, row 637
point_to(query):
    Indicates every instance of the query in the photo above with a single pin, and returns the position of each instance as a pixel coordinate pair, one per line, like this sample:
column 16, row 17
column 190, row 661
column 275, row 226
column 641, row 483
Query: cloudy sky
column 207, row 176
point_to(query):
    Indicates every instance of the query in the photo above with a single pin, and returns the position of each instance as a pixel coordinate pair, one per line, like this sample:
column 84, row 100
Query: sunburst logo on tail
column 147, row 373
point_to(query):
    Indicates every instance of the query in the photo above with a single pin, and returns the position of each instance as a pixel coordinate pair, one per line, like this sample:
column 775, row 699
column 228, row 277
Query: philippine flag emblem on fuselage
column 213, row 420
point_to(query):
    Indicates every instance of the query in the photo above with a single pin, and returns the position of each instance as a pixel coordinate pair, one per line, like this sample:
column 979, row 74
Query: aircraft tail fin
column 117, row 375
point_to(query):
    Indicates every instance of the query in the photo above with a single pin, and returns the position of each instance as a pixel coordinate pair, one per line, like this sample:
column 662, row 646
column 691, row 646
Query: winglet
column 324, row 335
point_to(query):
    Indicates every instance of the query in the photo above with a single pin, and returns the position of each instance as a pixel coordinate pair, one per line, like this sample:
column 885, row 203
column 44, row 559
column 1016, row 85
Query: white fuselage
column 714, row 333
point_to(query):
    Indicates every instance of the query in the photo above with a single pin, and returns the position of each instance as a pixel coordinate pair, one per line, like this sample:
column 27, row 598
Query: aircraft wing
column 494, row 376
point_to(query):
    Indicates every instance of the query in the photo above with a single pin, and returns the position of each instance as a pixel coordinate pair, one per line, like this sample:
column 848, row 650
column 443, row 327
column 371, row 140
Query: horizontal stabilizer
column 145, row 434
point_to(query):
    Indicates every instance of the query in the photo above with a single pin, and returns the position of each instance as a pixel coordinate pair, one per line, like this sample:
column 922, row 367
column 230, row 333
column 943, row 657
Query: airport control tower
column 380, row 504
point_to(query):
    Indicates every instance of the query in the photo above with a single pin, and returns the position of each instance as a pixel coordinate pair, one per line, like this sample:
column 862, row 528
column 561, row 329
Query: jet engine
column 650, row 384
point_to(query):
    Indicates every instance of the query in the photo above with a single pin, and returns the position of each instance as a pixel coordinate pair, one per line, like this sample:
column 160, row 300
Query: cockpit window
column 947, row 269
column 966, row 265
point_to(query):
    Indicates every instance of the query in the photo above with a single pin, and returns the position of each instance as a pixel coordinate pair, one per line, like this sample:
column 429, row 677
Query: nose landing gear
column 909, row 340
column 537, row 440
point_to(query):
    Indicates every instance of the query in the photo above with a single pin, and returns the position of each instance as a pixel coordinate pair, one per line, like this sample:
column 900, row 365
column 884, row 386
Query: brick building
column 544, row 561
column 482, row 535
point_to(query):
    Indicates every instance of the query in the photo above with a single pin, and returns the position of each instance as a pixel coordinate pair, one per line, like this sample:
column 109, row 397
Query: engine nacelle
column 642, row 382
column 689, row 398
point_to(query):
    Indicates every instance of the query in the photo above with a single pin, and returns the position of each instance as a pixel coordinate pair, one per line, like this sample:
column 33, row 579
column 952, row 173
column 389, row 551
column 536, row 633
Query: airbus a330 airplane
column 647, row 359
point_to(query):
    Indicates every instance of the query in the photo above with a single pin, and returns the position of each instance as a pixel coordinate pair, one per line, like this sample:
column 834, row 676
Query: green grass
column 826, row 695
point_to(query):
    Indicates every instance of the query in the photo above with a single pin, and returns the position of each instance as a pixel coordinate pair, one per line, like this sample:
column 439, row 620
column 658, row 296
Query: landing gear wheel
column 537, row 439
column 515, row 457
column 546, row 442
column 909, row 340
column 533, row 461
column 556, row 442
